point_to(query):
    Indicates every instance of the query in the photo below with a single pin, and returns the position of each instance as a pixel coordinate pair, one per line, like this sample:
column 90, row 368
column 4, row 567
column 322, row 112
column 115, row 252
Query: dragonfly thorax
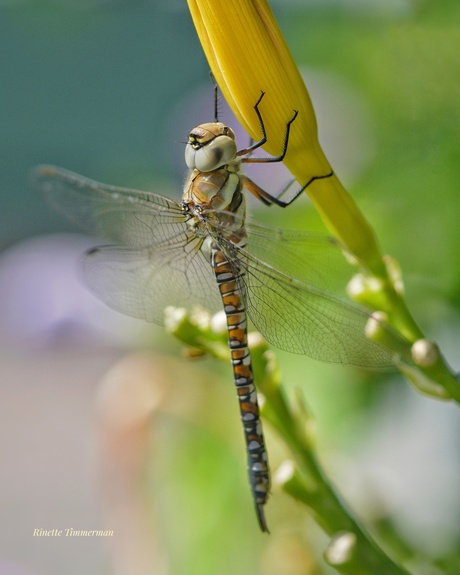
column 210, row 146
column 216, row 190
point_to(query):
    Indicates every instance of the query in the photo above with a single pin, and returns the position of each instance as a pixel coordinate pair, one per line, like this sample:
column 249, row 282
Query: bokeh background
column 103, row 423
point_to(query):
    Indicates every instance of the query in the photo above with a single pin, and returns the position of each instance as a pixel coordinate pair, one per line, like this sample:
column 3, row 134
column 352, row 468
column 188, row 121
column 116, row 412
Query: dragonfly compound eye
column 211, row 155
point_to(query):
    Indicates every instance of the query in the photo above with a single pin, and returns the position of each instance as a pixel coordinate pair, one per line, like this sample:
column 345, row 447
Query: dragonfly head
column 210, row 146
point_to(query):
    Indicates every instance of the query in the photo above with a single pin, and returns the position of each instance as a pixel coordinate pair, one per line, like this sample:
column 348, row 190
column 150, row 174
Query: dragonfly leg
column 269, row 199
column 255, row 145
column 247, row 158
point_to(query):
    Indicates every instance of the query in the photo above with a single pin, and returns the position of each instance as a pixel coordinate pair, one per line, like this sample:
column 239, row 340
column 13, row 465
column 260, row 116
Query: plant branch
column 351, row 550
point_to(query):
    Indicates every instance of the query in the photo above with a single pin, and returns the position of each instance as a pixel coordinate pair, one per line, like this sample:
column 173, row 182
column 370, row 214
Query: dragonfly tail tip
column 261, row 518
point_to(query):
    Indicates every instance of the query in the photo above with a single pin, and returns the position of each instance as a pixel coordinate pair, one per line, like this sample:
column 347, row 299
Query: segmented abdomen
column 259, row 474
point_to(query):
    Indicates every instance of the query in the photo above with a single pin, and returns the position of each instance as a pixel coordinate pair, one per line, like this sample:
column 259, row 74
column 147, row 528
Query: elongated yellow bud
column 248, row 54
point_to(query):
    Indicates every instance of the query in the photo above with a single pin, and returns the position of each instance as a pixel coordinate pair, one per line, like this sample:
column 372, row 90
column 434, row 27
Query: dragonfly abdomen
column 259, row 474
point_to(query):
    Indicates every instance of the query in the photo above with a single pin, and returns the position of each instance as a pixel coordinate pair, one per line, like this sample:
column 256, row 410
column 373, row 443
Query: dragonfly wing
column 143, row 282
column 128, row 217
column 301, row 318
column 315, row 259
column 157, row 260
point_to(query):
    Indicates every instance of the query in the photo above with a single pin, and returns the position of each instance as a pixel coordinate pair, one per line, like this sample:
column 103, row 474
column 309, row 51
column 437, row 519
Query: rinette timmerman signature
column 70, row 532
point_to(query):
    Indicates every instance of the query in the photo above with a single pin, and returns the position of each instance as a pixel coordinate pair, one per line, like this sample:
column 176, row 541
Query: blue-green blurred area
column 89, row 89
column 109, row 89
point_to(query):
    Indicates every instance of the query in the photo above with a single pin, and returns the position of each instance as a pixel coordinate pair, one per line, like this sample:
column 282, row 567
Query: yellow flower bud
column 247, row 55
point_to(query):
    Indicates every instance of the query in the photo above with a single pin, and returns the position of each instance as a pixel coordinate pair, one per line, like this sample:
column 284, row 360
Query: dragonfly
column 204, row 252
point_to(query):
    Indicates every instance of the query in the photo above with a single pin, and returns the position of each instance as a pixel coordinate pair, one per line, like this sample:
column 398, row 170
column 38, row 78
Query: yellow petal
column 248, row 54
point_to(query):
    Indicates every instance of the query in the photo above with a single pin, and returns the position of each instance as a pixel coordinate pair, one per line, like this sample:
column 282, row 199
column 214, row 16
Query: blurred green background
column 110, row 89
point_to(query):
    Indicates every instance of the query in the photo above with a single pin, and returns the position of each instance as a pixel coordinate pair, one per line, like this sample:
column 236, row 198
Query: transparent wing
column 127, row 217
column 289, row 283
column 316, row 259
column 301, row 318
column 291, row 311
column 157, row 261
column 143, row 282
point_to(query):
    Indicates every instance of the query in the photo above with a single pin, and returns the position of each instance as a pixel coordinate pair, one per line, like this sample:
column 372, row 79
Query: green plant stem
column 310, row 485
column 438, row 380
column 440, row 374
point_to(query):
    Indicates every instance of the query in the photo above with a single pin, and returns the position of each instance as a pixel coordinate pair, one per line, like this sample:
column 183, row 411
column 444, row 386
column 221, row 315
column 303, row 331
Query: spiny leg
column 276, row 199
column 261, row 194
column 269, row 199
column 248, row 151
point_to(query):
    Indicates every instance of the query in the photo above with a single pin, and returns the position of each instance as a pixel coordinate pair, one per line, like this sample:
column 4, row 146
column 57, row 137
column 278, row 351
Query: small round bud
column 341, row 548
column 425, row 353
